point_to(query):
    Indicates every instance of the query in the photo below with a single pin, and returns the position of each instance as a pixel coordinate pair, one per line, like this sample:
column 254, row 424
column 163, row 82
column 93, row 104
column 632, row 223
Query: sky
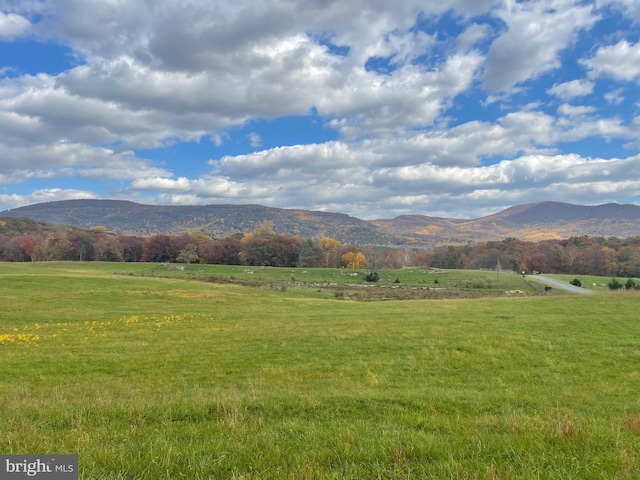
column 373, row 108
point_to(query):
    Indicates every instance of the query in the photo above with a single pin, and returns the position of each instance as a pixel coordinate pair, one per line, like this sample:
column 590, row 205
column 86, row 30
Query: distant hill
column 218, row 221
column 20, row 225
column 534, row 222
column 531, row 222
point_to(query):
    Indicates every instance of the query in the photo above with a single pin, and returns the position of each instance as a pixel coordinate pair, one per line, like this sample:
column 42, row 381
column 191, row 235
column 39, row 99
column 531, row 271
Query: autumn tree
column 27, row 246
column 107, row 248
column 354, row 259
column 221, row 252
column 485, row 257
column 331, row 252
column 157, row 248
column 311, row 254
column 200, row 236
column 391, row 259
column 188, row 254
column 131, row 248
column 597, row 260
column 533, row 260
column 558, row 260
column 10, row 250
column 269, row 249
column 82, row 243
column 406, row 257
column 56, row 246
column 420, row 259
column 449, row 257
column 630, row 266
column 373, row 260
column 571, row 252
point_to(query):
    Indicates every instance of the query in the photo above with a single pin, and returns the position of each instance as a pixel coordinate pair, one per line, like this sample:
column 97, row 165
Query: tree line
column 30, row 241
column 263, row 247
column 585, row 255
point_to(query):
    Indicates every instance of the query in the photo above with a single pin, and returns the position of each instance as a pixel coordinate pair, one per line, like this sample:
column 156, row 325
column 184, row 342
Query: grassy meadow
column 150, row 372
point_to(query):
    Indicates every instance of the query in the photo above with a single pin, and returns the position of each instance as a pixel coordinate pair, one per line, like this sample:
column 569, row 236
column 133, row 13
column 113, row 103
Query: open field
column 401, row 284
column 147, row 377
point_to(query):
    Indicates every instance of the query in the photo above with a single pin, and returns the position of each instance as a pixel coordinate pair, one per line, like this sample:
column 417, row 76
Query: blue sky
column 455, row 108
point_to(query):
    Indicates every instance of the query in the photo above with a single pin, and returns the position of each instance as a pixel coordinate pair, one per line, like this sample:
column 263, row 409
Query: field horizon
column 150, row 373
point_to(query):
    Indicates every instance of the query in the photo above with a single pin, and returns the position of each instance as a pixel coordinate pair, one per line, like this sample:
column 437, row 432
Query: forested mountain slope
column 533, row 222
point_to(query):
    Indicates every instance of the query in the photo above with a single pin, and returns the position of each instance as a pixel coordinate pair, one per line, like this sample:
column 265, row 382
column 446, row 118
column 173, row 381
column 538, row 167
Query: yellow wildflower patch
column 152, row 321
column 18, row 339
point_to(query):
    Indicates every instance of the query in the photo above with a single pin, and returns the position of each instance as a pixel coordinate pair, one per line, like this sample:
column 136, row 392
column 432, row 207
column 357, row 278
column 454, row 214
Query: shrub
column 372, row 277
column 576, row 282
column 630, row 285
column 615, row 284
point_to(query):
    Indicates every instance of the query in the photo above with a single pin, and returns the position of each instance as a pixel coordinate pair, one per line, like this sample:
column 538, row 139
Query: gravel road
column 563, row 285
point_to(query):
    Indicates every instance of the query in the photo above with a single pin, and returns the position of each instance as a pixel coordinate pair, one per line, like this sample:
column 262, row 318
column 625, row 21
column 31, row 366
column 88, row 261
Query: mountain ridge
column 533, row 222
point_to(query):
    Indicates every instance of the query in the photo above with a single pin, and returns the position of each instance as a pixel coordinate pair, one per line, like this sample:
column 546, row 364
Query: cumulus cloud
column 574, row 110
column 620, row 62
column 631, row 8
column 12, row 25
column 536, row 33
column 44, row 195
column 572, row 89
column 472, row 35
column 421, row 187
column 67, row 159
column 370, row 104
column 430, row 104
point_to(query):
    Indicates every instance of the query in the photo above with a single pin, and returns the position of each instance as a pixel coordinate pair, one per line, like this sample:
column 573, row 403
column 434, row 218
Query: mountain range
column 532, row 222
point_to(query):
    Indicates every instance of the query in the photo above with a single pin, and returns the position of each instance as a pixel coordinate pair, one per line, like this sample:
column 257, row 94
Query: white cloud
column 219, row 139
column 631, row 8
column 536, row 34
column 315, row 159
column 409, row 97
column 67, row 159
column 472, row 35
column 255, row 140
column 419, row 188
column 203, row 190
column 44, row 195
column 572, row 89
column 614, row 97
column 416, row 134
column 240, row 60
column 443, row 163
column 620, row 62
column 12, row 26
column 574, row 110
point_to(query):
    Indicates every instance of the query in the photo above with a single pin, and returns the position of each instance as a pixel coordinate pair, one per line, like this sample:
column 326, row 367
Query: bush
column 615, row 284
column 576, row 282
column 630, row 285
column 372, row 277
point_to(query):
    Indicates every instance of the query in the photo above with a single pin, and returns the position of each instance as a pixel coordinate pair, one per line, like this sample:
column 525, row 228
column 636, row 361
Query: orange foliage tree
column 354, row 259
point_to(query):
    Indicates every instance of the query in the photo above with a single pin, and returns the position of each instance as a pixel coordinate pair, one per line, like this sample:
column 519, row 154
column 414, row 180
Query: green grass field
column 146, row 377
